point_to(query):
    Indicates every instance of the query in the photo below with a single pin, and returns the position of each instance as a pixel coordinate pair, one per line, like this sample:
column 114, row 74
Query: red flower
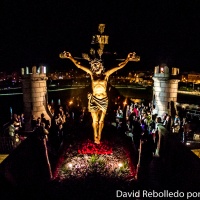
column 90, row 148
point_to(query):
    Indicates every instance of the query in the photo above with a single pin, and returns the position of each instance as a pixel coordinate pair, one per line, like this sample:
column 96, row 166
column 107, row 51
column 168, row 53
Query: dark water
column 144, row 94
column 190, row 99
column 80, row 95
column 16, row 101
column 13, row 101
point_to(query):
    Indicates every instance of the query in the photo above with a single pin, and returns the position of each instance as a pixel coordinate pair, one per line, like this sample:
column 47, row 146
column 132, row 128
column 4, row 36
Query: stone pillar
column 26, row 89
column 165, row 90
column 35, row 96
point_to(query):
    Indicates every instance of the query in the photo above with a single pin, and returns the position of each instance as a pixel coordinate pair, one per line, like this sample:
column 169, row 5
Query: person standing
column 167, row 123
column 161, row 137
column 131, row 119
column 11, row 131
column 176, row 124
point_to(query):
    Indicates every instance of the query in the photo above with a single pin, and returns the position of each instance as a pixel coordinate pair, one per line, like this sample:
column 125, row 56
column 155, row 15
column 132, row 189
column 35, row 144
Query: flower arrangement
column 89, row 147
column 85, row 159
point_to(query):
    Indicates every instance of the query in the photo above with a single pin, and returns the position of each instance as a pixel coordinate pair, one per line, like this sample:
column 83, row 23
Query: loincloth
column 95, row 104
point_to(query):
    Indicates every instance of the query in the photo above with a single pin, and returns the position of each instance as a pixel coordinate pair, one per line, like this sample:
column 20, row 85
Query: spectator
column 11, row 131
column 58, row 119
column 42, row 132
column 136, row 110
column 16, row 122
column 33, row 122
column 176, row 124
column 128, row 112
column 131, row 119
column 167, row 123
column 22, row 120
column 119, row 113
column 16, row 141
column 43, row 119
column 161, row 138
column 38, row 122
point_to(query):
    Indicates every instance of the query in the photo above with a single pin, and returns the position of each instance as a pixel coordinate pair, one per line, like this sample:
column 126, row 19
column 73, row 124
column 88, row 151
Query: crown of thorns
column 95, row 61
column 96, row 65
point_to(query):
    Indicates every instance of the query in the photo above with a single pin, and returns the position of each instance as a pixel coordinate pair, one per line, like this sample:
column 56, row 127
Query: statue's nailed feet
column 96, row 141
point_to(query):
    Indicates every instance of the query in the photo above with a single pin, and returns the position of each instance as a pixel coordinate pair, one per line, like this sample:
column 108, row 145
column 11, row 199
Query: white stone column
column 39, row 95
column 26, row 89
column 164, row 91
column 35, row 96
column 161, row 93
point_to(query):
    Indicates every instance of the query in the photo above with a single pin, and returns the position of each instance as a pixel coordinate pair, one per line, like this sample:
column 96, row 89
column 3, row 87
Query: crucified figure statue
column 98, row 100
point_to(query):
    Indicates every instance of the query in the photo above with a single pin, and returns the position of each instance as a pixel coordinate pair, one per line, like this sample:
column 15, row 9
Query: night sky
column 35, row 32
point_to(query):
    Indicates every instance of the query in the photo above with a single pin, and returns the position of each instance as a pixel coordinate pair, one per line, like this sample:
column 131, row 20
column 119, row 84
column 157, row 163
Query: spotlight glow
column 71, row 102
column 125, row 103
column 120, row 165
column 70, row 165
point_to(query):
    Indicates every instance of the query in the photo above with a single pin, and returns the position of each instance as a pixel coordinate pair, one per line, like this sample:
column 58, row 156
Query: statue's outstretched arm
column 69, row 56
column 130, row 57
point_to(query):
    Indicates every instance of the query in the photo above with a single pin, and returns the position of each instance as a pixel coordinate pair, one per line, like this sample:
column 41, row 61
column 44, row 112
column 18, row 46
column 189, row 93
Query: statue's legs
column 101, row 124
column 95, row 125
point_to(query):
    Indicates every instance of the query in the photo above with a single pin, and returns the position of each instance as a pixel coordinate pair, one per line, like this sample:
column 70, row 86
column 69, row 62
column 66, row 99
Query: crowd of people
column 62, row 122
column 137, row 120
column 146, row 129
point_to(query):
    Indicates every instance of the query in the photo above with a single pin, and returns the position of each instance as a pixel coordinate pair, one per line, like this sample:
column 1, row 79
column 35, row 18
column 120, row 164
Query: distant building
column 195, row 78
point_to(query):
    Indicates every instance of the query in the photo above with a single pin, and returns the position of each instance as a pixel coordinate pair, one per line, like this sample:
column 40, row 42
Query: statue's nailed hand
column 132, row 57
column 65, row 55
